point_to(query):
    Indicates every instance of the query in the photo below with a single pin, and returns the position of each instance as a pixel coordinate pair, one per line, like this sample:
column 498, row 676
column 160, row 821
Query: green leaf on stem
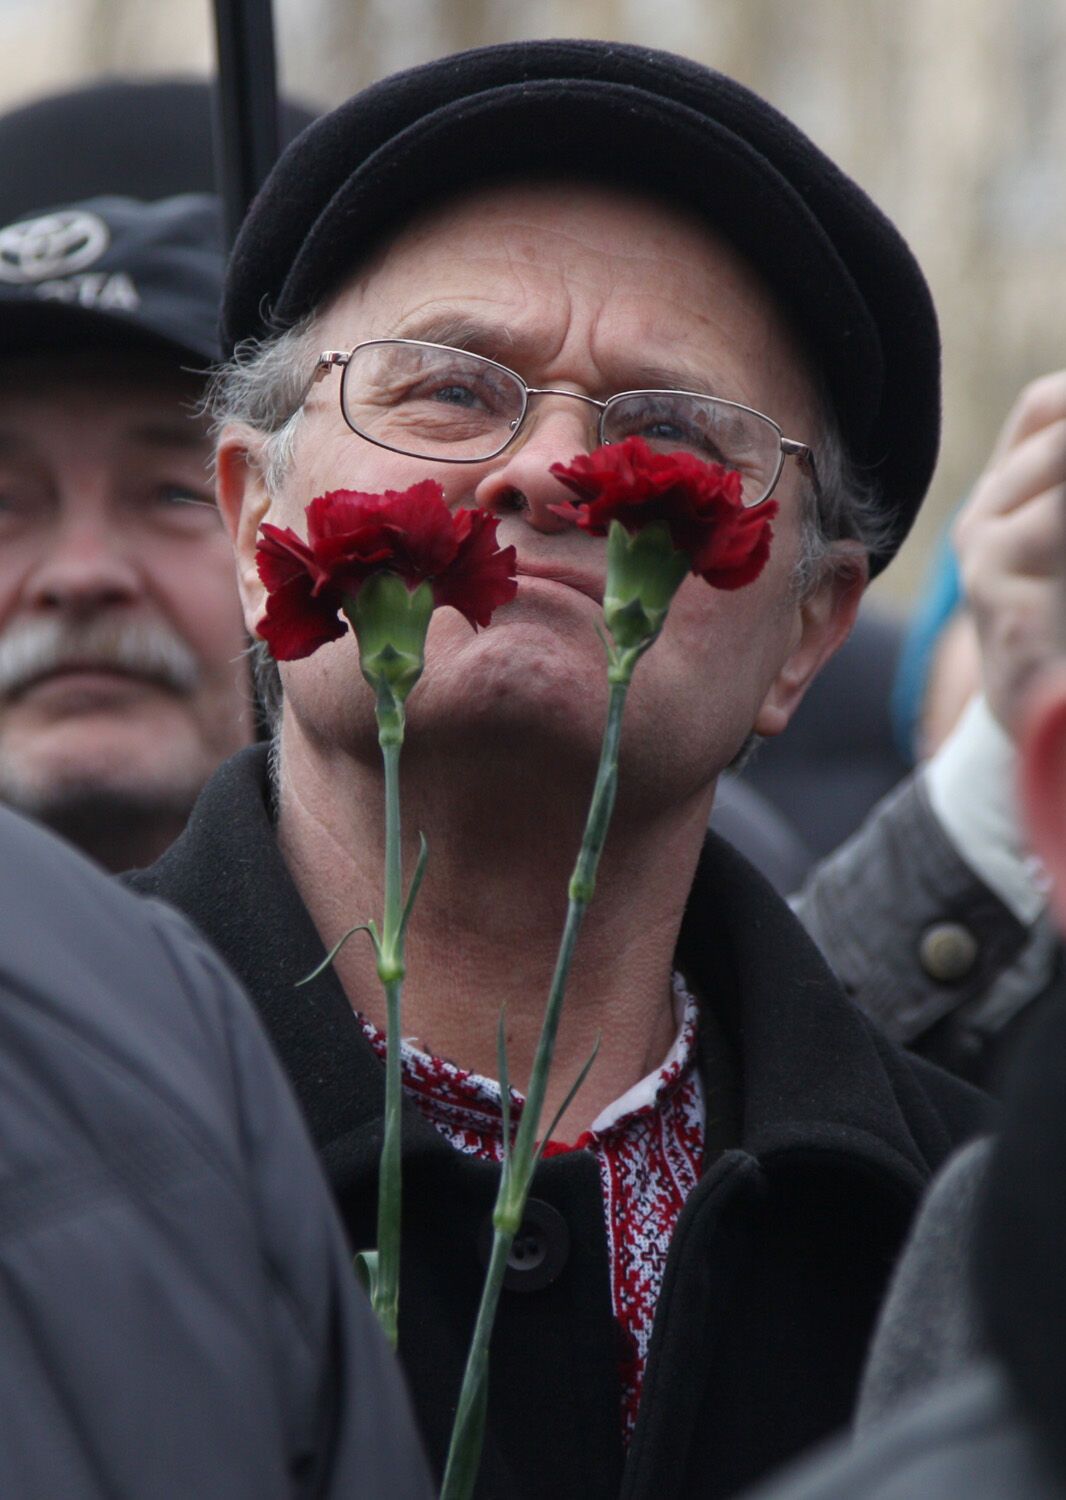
column 505, row 1084
column 416, row 881
column 337, row 946
column 578, row 1081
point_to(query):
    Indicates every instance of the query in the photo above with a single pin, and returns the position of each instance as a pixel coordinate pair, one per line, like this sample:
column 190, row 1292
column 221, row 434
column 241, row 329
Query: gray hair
column 264, row 384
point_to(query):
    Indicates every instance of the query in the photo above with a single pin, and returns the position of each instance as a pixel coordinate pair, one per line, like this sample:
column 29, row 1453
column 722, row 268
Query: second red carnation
column 727, row 544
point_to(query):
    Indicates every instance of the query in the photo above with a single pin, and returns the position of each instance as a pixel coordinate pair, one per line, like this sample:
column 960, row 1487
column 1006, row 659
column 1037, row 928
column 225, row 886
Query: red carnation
column 699, row 503
column 353, row 536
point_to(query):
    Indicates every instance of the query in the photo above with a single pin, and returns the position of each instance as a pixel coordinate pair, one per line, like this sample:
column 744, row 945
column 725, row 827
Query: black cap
column 114, row 272
column 137, row 137
column 647, row 121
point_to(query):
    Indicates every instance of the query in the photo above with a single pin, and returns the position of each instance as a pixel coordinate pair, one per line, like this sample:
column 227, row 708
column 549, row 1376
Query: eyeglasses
column 432, row 401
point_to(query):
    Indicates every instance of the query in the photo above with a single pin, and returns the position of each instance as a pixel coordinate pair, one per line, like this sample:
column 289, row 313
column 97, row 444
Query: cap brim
column 29, row 327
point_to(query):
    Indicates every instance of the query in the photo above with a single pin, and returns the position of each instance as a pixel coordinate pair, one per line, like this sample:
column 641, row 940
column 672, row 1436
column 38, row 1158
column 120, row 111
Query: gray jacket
column 967, row 1438
column 929, row 1329
column 180, row 1317
column 921, row 944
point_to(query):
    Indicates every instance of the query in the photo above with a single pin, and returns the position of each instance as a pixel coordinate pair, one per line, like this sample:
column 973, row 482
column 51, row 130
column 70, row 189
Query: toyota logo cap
column 114, row 273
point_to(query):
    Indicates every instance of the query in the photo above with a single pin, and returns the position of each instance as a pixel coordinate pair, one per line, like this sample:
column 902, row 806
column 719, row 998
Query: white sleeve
column 970, row 782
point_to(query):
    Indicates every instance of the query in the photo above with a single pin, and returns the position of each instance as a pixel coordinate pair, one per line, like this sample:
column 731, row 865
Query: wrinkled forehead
column 519, row 271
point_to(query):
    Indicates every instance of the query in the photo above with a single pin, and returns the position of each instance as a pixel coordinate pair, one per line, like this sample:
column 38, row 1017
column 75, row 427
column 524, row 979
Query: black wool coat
column 821, row 1138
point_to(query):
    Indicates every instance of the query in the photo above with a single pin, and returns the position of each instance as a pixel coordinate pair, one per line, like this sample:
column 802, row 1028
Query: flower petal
column 280, row 555
column 355, row 536
column 482, row 576
column 296, row 623
column 699, row 502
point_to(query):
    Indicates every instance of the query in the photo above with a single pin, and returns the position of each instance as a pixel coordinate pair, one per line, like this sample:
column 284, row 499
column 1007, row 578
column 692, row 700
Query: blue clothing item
column 940, row 599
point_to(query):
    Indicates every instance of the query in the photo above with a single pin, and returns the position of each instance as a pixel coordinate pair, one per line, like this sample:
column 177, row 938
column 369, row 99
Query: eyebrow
column 181, row 433
column 678, row 378
column 461, row 331
column 156, row 436
column 458, row 330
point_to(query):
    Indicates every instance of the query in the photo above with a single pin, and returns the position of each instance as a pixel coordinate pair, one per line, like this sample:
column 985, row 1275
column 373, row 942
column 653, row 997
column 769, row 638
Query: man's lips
column 570, row 577
column 85, row 673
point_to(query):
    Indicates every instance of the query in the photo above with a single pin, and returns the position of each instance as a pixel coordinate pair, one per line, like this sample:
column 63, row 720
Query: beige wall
column 952, row 113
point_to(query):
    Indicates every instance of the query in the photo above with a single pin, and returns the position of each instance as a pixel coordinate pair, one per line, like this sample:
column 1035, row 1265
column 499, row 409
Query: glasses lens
column 716, row 431
column 430, row 401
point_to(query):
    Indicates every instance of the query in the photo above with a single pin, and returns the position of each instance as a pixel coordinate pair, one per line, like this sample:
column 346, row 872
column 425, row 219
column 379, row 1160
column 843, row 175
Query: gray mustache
column 144, row 648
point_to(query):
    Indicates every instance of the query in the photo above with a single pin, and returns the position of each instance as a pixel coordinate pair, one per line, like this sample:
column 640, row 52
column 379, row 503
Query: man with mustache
column 709, row 1241
column 123, row 682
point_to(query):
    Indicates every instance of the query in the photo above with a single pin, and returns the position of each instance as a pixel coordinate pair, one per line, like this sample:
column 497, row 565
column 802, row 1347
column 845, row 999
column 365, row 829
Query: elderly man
column 122, row 678
column 700, row 1270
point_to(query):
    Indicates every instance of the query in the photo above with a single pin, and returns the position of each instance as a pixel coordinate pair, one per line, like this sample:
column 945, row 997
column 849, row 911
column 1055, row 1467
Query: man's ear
column 243, row 500
column 1042, row 778
column 824, row 617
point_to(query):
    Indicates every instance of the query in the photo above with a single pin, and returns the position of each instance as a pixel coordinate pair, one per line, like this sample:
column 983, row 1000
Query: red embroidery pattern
column 650, row 1154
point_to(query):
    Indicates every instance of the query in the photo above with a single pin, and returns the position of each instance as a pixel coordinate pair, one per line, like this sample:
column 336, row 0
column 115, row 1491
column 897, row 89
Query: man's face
column 594, row 292
column 121, row 670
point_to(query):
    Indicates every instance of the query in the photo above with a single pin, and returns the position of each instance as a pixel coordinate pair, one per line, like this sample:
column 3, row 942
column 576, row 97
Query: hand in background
column 1010, row 538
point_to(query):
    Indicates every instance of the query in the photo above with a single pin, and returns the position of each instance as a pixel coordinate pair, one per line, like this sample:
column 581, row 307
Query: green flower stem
column 520, row 1162
column 386, row 1291
column 464, row 1452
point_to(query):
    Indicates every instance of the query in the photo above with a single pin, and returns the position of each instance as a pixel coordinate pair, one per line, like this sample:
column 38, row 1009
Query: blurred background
column 952, row 113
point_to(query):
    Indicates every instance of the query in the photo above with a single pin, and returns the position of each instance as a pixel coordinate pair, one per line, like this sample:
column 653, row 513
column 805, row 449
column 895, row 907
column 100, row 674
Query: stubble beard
column 122, row 827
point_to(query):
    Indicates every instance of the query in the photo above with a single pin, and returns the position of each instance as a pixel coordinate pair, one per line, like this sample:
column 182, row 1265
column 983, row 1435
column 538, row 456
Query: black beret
column 641, row 119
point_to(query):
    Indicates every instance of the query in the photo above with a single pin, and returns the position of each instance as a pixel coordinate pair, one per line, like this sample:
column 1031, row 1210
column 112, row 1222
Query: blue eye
column 456, row 395
column 667, row 432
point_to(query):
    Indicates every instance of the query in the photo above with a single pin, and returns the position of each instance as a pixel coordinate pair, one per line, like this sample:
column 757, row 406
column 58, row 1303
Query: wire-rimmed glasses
column 432, row 401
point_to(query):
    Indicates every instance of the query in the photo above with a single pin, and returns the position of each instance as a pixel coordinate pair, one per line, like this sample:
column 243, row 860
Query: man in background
column 122, row 679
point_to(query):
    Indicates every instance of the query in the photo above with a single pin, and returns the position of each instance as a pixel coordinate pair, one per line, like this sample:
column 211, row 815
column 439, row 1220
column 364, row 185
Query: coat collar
column 813, row 1074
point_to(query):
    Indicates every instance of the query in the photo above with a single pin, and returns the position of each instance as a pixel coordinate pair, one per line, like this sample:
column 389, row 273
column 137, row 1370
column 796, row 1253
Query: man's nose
column 556, row 429
column 86, row 562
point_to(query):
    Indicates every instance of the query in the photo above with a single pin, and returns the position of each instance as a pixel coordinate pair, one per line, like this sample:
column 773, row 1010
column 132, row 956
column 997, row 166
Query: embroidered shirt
column 649, row 1148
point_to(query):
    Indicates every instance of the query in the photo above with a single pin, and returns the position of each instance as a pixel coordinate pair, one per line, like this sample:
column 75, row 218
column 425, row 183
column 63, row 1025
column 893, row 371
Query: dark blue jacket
column 179, row 1319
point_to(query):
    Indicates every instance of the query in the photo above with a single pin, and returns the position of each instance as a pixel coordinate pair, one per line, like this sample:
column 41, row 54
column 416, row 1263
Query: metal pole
column 246, row 132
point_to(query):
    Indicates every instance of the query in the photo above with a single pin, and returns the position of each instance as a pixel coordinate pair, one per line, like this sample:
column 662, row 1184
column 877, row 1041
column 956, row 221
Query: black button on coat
column 781, row 1253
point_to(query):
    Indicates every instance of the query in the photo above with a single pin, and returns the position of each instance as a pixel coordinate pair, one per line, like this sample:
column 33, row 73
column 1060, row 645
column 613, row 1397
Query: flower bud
column 644, row 572
column 390, row 622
